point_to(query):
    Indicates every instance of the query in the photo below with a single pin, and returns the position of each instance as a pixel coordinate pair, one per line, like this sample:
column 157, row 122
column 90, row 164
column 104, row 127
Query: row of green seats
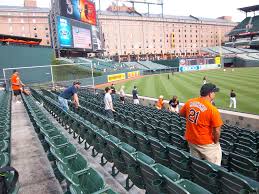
column 211, row 173
column 72, row 165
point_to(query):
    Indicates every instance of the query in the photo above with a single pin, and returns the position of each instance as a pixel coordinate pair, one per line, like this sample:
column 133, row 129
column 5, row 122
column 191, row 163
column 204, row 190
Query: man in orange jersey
column 16, row 85
column 203, row 124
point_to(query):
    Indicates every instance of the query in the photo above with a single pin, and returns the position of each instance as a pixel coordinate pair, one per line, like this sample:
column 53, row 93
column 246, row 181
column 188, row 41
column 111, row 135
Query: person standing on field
column 203, row 125
column 233, row 100
column 204, row 80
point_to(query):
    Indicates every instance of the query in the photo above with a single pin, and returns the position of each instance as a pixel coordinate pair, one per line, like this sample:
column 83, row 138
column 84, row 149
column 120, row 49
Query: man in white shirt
column 108, row 103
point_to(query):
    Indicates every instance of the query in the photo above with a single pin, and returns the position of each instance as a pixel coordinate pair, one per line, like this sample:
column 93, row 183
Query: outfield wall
column 13, row 56
column 242, row 120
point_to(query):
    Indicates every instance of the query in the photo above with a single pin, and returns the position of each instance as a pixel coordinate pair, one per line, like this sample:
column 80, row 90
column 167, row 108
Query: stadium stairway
column 28, row 157
column 214, row 178
column 67, row 161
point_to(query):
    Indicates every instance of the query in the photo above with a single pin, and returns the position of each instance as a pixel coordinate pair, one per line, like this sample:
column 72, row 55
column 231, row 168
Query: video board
column 74, row 34
column 81, row 10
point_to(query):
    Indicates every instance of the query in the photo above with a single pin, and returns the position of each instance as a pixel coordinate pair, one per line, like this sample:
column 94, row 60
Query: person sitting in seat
column 160, row 102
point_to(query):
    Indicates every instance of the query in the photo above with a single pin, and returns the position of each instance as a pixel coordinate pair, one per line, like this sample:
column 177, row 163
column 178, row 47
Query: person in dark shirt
column 233, row 100
column 135, row 95
column 113, row 89
column 204, row 80
column 174, row 104
column 68, row 94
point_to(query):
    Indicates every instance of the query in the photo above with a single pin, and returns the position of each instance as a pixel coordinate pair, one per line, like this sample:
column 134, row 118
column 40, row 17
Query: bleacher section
column 68, row 163
column 149, row 146
column 174, row 63
column 5, row 138
column 241, row 27
column 152, row 65
column 136, row 65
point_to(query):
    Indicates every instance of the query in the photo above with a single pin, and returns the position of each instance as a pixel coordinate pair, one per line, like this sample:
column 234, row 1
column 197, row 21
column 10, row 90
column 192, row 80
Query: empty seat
column 236, row 183
column 131, row 137
column 4, row 159
column 180, row 161
column 89, row 182
column 205, row 174
column 144, row 144
column 244, row 166
column 163, row 135
column 246, row 151
column 4, row 145
column 160, row 152
column 153, row 176
column 183, row 186
column 151, row 130
column 72, row 167
column 63, row 153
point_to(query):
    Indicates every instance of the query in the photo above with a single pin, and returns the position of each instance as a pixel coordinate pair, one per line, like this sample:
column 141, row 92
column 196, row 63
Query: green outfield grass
column 245, row 82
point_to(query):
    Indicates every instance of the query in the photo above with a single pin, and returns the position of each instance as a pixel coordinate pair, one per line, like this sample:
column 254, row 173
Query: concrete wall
column 12, row 56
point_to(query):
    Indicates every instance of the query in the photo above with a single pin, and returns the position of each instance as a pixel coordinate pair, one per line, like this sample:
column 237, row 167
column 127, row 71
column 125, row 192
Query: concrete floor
column 116, row 183
column 28, row 157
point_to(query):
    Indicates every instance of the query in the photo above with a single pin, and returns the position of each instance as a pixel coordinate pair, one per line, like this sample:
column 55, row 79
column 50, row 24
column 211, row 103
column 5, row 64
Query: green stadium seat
column 57, row 141
column 144, row 144
column 72, row 167
column 205, row 174
column 235, row 183
column 245, row 151
column 4, row 159
column 140, row 126
column 131, row 137
column 4, row 136
column 163, row 135
column 120, row 132
column 180, row 161
column 89, row 182
column 179, row 141
column 64, row 153
column 131, row 122
column 100, row 142
column 105, row 191
column 151, row 130
column 244, row 166
column 160, row 151
column 153, row 176
column 183, row 186
column 111, row 142
column 4, row 146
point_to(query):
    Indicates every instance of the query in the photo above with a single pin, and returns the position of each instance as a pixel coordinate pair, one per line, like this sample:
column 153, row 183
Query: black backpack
column 7, row 187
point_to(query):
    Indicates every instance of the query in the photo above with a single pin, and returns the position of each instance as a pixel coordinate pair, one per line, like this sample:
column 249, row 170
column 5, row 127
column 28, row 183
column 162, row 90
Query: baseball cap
column 208, row 88
column 76, row 82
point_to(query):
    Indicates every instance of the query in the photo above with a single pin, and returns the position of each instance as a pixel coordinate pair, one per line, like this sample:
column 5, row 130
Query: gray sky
column 199, row 8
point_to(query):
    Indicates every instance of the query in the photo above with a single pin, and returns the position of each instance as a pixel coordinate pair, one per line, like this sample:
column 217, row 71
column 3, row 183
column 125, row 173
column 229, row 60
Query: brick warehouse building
column 28, row 21
column 127, row 32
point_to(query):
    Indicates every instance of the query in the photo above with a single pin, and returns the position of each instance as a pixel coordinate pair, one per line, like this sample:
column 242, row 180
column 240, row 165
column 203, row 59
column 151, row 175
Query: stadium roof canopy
column 249, row 9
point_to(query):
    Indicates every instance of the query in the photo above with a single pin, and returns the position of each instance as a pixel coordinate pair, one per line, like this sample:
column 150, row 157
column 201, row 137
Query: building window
column 47, row 35
column 11, row 28
column 23, row 28
column 35, row 35
column 9, row 20
column 34, row 28
column 33, row 20
column 46, row 28
column 48, row 42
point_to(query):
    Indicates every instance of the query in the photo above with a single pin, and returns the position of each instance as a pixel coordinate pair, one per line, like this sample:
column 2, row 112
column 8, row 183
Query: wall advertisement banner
column 116, row 77
column 198, row 67
column 133, row 74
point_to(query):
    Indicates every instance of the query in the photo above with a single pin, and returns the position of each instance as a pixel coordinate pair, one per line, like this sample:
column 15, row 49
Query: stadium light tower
column 146, row 2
